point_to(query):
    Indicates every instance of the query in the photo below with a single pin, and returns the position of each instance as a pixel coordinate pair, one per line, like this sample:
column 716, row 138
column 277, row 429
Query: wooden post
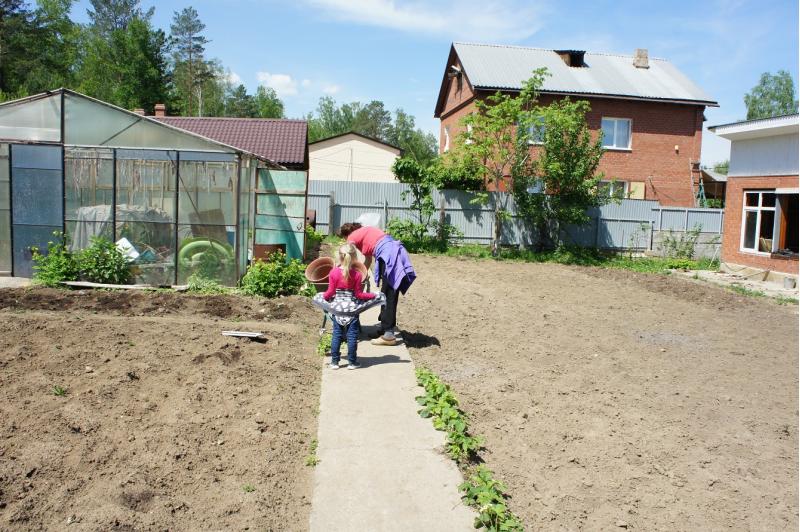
column 332, row 213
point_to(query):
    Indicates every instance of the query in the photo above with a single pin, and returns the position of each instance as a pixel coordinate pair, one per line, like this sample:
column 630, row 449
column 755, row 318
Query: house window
column 536, row 131
column 468, row 135
column 614, row 189
column 446, row 138
column 616, row 133
column 758, row 221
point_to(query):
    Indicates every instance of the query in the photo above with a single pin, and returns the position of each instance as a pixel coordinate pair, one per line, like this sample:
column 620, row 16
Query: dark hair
column 346, row 229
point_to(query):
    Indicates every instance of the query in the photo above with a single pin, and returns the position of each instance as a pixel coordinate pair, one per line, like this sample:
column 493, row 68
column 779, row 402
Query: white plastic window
column 616, row 133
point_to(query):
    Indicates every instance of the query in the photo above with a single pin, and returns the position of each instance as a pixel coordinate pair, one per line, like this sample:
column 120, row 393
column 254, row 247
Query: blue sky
column 395, row 50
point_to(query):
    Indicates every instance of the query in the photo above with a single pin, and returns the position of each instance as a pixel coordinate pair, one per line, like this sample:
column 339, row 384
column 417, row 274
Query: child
column 345, row 300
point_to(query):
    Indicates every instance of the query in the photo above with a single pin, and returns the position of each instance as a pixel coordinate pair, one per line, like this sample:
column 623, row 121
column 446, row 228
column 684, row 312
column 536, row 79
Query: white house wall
column 765, row 156
column 351, row 159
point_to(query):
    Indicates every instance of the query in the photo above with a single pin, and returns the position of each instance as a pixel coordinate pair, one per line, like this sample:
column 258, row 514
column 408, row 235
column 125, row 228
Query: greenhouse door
column 37, row 201
column 280, row 212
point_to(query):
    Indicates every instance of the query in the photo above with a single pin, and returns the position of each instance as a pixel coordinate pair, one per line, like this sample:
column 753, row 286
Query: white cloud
column 475, row 20
column 283, row 84
column 331, row 88
column 234, row 78
column 306, row 83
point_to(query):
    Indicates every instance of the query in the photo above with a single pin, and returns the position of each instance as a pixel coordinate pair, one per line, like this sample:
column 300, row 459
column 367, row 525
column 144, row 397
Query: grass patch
column 58, row 391
column 480, row 490
column 324, row 344
column 582, row 257
column 311, row 459
column 248, row 488
column 748, row 292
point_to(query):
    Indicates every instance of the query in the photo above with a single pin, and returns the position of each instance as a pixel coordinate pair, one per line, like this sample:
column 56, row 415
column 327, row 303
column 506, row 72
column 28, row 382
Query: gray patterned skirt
column 344, row 306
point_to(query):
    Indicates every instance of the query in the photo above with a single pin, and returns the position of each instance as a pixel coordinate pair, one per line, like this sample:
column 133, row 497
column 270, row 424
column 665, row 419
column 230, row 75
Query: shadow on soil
column 419, row 340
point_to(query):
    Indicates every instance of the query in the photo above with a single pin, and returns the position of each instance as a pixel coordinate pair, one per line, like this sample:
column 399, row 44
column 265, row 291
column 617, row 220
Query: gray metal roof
column 489, row 66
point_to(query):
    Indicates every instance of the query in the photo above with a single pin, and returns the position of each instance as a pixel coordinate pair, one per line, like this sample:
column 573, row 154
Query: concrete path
column 14, row 282
column 380, row 467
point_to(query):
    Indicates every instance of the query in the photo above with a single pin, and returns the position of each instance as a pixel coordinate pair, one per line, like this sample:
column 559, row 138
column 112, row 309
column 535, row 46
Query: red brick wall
column 731, row 235
column 656, row 129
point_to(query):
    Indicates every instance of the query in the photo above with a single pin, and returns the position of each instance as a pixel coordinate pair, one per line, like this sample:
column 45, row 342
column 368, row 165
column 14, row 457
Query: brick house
column 761, row 203
column 651, row 114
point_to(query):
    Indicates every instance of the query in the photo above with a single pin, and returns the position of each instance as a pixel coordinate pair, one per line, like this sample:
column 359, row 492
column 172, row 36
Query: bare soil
column 166, row 424
column 615, row 400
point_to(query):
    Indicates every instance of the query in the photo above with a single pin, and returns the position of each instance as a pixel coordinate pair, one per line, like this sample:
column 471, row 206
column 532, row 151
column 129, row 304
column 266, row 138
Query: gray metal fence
column 627, row 224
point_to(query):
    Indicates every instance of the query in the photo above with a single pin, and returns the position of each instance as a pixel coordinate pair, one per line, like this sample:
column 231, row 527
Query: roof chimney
column 640, row 58
column 139, row 112
column 161, row 109
column 572, row 58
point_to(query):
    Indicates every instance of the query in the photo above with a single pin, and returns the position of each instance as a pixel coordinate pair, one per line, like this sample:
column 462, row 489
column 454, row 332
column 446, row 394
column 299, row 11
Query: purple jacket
column 399, row 272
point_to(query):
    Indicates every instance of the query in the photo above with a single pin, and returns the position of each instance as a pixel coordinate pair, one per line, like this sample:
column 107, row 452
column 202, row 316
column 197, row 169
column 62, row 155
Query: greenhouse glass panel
column 208, row 252
column 146, row 187
column 27, row 237
column 207, row 192
column 153, row 250
column 247, row 178
column 92, row 123
column 89, row 184
column 5, row 213
column 32, row 120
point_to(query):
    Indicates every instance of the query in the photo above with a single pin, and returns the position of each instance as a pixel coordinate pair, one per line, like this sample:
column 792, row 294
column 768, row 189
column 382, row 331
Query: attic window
column 572, row 58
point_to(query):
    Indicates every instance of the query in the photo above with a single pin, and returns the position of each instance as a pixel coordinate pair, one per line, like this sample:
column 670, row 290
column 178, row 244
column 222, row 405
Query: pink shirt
column 365, row 239
column 336, row 281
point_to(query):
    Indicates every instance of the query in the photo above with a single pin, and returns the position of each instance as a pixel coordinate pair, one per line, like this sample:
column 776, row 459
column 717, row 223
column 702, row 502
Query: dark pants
column 351, row 332
column 388, row 315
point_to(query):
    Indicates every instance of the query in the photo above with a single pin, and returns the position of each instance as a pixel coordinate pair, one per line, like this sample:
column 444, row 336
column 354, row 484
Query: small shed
column 352, row 157
column 75, row 165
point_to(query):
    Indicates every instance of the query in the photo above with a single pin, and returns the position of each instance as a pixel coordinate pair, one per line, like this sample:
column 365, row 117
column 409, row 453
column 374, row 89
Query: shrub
column 102, row 262
column 417, row 238
column 274, row 277
column 313, row 239
column 57, row 265
column 680, row 245
column 203, row 285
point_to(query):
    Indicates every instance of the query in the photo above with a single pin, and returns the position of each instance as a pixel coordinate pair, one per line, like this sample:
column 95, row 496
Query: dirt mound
column 138, row 303
column 130, row 411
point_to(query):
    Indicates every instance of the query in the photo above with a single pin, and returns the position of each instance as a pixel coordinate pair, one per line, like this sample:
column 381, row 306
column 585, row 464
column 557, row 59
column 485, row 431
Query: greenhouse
column 176, row 203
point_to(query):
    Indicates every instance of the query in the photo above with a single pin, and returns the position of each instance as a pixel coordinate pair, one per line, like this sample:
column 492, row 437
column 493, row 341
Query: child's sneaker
column 333, row 366
column 356, row 365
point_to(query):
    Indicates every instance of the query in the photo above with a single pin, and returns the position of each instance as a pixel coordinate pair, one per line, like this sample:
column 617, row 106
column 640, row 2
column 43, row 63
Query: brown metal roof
column 280, row 140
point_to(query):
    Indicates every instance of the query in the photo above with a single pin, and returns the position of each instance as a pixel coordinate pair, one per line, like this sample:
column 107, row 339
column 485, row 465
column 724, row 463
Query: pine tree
column 190, row 67
column 108, row 16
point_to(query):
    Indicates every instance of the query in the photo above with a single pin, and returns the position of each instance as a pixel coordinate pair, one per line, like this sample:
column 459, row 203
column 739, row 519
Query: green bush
column 103, row 262
column 202, row 285
column 417, row 238
column 274, row 277
column 313, row 239
column 57, row 265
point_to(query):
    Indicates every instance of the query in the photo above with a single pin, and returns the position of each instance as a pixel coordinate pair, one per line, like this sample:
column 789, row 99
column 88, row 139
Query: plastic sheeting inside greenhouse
column 178, row 203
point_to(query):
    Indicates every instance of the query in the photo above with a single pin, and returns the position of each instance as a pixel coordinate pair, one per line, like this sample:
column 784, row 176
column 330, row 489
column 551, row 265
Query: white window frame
column 758, row 209
column 446, row 138
column 617, row 120
column 468, row 134
column 608, row 184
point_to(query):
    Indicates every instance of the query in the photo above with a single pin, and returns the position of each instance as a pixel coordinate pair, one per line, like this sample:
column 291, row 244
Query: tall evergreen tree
column 15, row 35
column 107, row 16
column 129, row 69
column 240, row 104
column 191, row 70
